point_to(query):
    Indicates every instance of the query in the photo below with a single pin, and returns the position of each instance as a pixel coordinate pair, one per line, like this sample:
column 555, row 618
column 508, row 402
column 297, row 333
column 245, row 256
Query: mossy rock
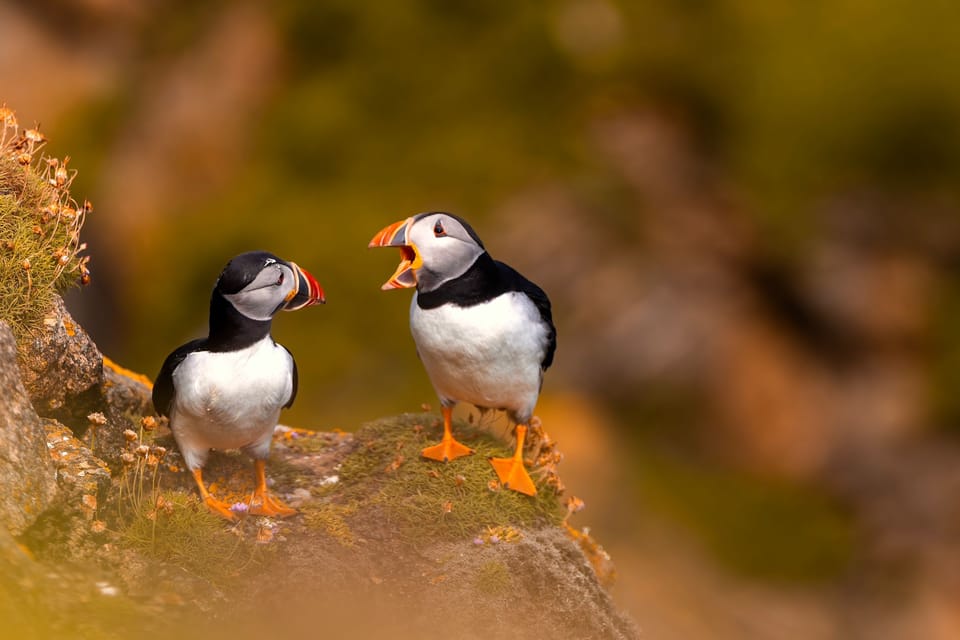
column 435, row 500
column 386, row 544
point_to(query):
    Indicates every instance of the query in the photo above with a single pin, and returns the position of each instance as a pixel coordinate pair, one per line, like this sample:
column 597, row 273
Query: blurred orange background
column 746, row 215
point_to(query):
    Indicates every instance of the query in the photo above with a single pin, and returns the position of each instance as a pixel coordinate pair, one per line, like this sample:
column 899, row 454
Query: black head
column 258, row 284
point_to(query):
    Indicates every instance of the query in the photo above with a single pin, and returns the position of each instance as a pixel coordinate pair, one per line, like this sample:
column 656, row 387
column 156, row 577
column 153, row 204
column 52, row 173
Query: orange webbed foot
column 219, row 508
column 511, row 471
column 513, row 475
column 216, row 506
column 261, row 502
column 266, row 505
column 447, row 450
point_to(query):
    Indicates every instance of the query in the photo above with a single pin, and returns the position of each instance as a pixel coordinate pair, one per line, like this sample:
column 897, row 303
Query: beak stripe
column 394, row 235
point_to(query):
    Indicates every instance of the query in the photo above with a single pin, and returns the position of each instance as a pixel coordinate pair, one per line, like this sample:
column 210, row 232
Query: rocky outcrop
column 83, row 488
column 71, row 382
column 104, row 515
column 62, row 370
column 370, row 556
column 52, row 393
column 27, row 475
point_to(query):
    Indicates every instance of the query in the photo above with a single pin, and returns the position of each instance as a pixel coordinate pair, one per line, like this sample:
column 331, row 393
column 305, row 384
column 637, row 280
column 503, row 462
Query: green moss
column 308, row 443
column 493, row 577
column 39, row 228
column 331, row 518
column 425, row 499
column 188, row 535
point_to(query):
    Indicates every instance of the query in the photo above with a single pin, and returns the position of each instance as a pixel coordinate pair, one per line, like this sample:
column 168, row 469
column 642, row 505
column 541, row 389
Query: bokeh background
column 746, row 214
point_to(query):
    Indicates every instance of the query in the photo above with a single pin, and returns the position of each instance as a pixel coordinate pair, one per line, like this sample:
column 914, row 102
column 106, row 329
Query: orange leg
column 261, row 502
column 512, row 473
column 218, row 507
column 448, row 449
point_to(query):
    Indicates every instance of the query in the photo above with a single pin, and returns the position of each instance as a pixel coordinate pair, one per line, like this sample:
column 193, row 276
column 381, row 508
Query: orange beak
column 395, row 235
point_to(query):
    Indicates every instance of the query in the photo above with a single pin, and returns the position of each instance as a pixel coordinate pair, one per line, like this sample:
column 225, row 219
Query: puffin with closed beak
column 484, row 333
column 226, row 391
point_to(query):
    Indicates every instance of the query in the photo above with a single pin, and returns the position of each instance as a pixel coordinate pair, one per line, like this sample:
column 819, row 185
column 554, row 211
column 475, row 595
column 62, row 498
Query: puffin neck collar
column 230, row 330
column 479, row 283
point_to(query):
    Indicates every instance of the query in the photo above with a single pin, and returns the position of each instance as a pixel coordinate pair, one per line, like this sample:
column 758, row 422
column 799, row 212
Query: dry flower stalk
column 40, row 248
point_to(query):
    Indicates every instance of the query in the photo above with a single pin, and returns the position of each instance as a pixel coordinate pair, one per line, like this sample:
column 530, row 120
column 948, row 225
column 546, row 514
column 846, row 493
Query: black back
column 485, row 280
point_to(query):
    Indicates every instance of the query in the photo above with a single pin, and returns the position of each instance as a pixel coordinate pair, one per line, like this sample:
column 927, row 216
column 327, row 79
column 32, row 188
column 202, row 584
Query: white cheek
column 259, row 304
column 446, row 257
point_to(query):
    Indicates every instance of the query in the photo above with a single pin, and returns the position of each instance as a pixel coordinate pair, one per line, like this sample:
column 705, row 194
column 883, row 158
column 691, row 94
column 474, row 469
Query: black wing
column 163, row 386
column 296, row 380
column 516, row 282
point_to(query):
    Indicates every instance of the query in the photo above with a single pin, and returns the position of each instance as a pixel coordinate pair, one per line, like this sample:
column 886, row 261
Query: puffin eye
column 438, row 229
column 280, row 279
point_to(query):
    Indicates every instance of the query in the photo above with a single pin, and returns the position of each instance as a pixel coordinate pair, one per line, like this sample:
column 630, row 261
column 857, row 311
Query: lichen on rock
column 62, row 369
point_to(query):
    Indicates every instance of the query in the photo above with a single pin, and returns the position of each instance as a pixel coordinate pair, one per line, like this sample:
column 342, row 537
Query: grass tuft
column 182, row 532
column 171, row 525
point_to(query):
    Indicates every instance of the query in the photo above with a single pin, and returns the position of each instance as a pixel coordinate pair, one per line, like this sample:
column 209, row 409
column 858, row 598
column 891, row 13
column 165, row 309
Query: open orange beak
column 308, row 291
column 395, row 235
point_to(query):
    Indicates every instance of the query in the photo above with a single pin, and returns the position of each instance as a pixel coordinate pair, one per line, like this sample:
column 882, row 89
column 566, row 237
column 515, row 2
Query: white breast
column 488, row 355
column 230, row 400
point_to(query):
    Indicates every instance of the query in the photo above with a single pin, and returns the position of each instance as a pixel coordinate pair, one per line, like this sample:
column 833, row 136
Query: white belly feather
column 488, row 355
column 230, row 400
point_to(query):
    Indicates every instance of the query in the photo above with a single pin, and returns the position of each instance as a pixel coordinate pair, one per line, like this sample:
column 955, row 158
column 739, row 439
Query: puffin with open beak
column 484, row 333
column 226, row 391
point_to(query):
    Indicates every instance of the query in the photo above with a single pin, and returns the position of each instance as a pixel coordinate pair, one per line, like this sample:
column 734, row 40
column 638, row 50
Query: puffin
column 483, row 332
column 226, row 391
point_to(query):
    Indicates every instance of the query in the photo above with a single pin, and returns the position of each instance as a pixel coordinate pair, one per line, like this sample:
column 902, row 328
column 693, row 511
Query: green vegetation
column 431, row 500
column 331, row 518
column 493, row 578
column 172, row 525
column 181, row 531
column 39, row 227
